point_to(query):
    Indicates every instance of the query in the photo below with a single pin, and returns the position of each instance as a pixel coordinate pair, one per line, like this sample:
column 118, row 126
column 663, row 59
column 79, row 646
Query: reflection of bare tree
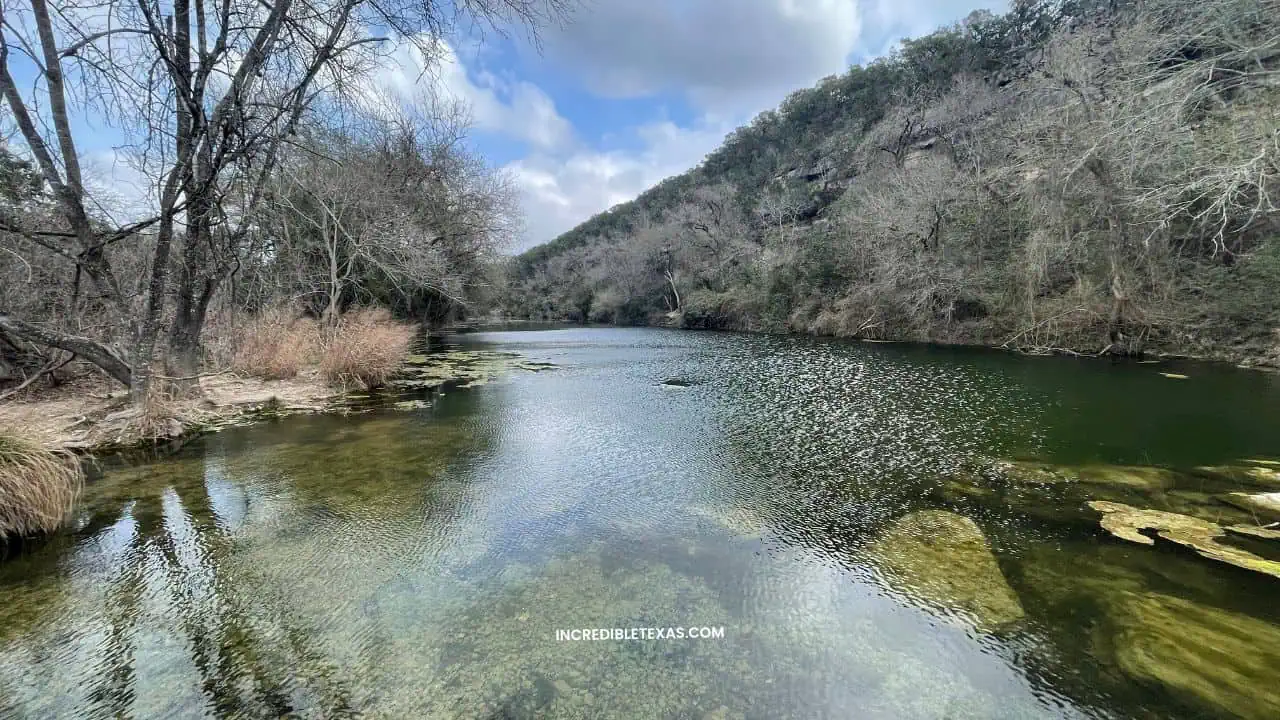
column 171, row 568
column 213, row 582
column 112, row 686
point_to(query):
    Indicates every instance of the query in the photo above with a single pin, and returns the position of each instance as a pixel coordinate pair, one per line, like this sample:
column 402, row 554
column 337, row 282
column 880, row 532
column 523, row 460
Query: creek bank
column 100, row 420
column 1249, row 357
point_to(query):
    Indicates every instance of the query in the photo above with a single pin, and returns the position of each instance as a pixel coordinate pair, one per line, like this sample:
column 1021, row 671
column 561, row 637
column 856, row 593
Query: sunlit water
column 418, row 564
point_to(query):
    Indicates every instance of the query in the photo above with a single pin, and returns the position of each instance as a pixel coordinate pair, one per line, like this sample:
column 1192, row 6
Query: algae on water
column 470, row 368
column 944, row 560
column 1127, row 523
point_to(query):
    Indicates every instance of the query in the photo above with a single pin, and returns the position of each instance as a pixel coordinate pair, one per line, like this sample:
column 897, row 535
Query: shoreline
column 78, row 420
column 96, row 419
column 1262, row 362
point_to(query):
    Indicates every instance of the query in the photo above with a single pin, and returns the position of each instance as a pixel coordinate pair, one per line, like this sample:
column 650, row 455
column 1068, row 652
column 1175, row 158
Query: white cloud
column 120, row 189
column 562, row 181
column 726, row 56
column 560, row 191
column 516, row 109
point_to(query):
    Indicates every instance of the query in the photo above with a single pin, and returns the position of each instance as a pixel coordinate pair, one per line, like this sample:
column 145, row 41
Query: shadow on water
column 828, row 504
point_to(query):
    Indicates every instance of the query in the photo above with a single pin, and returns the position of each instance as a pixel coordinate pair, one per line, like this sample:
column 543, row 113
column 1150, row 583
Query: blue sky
column 628, row 92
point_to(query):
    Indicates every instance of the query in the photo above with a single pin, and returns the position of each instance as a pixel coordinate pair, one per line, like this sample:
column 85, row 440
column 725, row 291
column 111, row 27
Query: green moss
column 943, row 559
column 1206, row 655
column 470, row 368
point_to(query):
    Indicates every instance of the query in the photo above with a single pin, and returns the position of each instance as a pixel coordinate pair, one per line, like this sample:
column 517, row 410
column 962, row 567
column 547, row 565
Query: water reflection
column 806, row 496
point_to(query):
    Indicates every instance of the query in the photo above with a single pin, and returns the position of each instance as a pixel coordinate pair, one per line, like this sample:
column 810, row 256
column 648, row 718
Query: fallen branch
column 192, row 377
column 53, row 365
column 1042, row 323
column 87, row 348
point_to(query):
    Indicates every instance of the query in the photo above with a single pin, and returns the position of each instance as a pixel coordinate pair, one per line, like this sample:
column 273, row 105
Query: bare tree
column 386, row 205
column 210, row 93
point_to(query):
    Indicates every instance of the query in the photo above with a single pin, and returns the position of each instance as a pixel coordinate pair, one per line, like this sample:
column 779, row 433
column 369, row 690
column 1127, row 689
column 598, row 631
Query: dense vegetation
column 1070, row 174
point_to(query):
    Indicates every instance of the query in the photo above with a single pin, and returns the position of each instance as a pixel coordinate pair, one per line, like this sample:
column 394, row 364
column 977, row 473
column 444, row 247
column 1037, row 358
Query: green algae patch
column 944, row 560
column 1203, row 654
column 468, row 368
column 1128, row 523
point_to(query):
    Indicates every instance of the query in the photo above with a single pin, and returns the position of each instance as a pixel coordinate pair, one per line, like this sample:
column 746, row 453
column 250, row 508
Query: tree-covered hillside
column 1079, row 174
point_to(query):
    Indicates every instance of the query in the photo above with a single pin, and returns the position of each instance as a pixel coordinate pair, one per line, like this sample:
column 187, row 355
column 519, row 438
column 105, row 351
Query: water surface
column 418, row 564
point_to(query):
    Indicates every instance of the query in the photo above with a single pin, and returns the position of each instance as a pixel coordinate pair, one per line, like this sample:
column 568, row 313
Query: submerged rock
column 1265, row 503
column 1127, row 523
column 1256, row 533
column 944, row 560
column 1125, row 476
column 1204, row 654
column 1257, row 472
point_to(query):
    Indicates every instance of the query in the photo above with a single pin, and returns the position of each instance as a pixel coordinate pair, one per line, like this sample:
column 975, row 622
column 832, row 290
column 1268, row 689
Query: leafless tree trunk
column 211, row 93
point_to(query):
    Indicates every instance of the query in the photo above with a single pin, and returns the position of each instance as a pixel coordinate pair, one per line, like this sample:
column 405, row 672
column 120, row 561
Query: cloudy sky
column 632, row 91
column 628, row 92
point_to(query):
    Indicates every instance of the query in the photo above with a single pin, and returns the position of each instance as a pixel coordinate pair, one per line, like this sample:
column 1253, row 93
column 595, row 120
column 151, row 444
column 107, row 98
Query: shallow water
column 418, row 564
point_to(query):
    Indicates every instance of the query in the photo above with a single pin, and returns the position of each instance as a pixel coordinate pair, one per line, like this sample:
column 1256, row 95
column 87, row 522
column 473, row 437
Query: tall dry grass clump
column 364, row 349
column 38, row 487
column 275, row 344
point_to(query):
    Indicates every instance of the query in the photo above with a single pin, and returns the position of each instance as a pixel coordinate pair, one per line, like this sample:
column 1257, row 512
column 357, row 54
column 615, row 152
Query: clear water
column 418, row 564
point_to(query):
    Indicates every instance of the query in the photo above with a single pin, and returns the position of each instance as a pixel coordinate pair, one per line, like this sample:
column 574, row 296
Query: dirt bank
column 92, row 414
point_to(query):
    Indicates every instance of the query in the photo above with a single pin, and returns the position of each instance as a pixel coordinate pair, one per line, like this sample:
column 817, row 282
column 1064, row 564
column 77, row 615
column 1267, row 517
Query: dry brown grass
column 274, row 345
column 364, row 349
column 38, row 487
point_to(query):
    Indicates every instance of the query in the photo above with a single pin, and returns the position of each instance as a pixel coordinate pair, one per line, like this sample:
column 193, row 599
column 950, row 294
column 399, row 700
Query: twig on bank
column 1044, row 322
column 192, row 377
column 51, row 367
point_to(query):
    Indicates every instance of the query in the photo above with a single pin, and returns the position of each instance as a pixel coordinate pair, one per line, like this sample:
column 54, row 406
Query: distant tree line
column 1068, row 175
